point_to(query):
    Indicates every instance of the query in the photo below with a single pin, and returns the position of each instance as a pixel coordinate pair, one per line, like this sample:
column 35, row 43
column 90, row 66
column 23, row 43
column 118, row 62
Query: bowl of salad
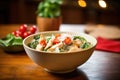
column 59, row 52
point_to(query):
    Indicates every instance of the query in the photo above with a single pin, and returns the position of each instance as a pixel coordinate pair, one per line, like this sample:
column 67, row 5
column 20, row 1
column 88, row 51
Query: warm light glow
column 82, row 3
column 102, row 3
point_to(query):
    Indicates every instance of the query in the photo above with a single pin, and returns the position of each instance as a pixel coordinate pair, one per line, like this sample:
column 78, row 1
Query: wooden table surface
column 17, row 66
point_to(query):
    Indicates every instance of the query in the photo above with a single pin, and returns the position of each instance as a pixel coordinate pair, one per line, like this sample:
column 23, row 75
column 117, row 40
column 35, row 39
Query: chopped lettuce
column 76, row 43
column 36, row 37
column 48, row 38
column 33, row 44
column 85, row 45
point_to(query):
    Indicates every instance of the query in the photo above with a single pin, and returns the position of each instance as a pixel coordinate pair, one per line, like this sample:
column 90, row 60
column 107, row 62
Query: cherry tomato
column 43, row 43
column 56, row 41
column 23, row 31
column 33, row 29
column 17, row 35
column 67, row 40
column 29, row 33
column 23, row 28
column 20, row 33
column 25, row 34
column 14, row 33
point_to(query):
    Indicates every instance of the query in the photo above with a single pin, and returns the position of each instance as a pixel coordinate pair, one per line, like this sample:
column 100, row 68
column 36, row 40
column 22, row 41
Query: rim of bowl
column 93, row 45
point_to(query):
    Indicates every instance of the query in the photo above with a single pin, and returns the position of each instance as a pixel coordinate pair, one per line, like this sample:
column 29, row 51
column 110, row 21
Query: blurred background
column 73, row 11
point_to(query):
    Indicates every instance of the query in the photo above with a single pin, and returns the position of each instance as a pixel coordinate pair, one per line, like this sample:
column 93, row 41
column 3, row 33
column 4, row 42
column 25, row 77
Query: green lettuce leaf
column 10, row 40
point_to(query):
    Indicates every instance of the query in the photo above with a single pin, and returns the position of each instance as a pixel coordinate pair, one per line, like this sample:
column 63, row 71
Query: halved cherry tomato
column 67, row 40
column 43, row 43
column 56, row 41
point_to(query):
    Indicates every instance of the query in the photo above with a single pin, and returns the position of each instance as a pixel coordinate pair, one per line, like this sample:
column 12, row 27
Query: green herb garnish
column 33, row 44
column 36, row 37
column 85, row 45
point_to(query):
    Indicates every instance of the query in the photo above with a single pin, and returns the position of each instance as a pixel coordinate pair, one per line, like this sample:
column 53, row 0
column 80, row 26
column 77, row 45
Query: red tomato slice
column 67, row 40
column 56, row 41
column 43, row 43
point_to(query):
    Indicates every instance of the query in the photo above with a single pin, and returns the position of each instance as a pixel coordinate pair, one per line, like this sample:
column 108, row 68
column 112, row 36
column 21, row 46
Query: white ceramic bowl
column 59, row 62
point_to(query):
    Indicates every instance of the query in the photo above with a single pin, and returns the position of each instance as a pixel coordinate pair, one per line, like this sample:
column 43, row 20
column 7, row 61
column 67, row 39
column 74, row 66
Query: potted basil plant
column 49, row 15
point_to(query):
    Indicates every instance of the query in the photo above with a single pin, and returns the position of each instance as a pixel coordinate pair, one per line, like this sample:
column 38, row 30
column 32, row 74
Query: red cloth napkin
column 108, row 45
